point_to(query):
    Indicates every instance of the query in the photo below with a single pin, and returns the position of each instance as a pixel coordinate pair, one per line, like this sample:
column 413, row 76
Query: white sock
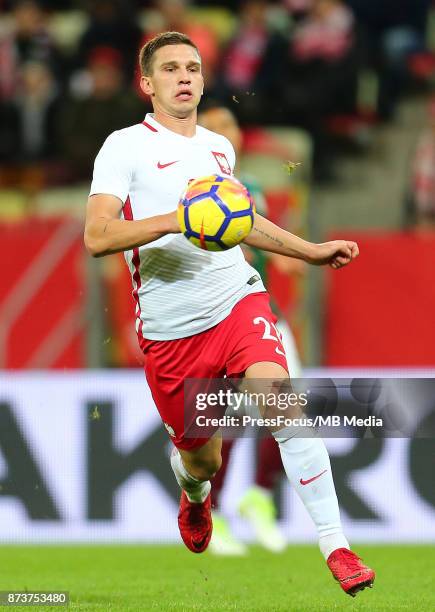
column 304, row 459
column 196, row 490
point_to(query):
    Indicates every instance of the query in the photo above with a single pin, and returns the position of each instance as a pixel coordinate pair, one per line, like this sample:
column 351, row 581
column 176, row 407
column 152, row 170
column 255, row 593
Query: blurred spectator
column 32, row 116
column 87, row 122
column 253, row 66
column 28, row 41
column 394, row 30
column 323, row 72
column 421, row 211
column 112, row 24
column 173, row 15
column 326, row 32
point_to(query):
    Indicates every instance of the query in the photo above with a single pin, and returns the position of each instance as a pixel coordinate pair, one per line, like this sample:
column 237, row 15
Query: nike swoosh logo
column 305, row 482
column 161, row 166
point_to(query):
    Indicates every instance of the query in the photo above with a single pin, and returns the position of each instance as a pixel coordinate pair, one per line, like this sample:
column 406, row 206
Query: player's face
column 175, row 83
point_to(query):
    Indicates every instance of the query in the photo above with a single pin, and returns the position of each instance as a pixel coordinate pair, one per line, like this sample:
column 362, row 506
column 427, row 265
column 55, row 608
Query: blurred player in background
column 256, row 505
column 201, row 314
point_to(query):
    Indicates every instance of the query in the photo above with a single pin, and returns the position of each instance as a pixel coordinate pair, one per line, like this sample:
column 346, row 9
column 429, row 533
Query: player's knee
column 207, row 467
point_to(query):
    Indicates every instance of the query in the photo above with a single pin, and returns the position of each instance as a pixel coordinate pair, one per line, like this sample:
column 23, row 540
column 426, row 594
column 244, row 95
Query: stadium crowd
column 68, row 73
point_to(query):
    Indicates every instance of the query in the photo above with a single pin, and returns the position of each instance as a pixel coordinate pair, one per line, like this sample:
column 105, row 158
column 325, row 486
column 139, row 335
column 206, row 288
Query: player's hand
column 171, row 223
column 336, row 253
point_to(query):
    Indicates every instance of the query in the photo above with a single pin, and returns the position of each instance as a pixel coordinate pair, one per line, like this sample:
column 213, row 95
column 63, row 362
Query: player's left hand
column 336, row 253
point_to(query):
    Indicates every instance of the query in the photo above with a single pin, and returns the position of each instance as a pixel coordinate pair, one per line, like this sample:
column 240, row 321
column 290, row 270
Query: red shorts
column 247, row 336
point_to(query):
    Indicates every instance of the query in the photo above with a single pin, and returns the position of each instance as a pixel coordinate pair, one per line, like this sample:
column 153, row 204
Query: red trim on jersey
column 128, row 216
column 150, row 127
column 127, row 211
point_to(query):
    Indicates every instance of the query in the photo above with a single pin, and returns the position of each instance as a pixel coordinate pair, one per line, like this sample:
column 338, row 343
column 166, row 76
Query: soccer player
column 202, row 314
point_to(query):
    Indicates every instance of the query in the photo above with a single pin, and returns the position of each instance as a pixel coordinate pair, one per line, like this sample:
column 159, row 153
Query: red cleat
column 195, row 523
column 347, row 569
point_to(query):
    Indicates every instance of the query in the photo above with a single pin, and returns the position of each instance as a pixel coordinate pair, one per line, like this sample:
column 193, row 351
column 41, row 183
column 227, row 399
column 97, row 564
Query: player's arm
column 106, row 233
column 267, row 236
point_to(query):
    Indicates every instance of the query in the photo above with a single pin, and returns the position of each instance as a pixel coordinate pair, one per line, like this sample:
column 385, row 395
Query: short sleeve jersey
column 180, row 290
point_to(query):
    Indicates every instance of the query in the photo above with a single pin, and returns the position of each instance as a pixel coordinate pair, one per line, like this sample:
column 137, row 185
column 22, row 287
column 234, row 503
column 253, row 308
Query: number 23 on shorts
column 271, row 332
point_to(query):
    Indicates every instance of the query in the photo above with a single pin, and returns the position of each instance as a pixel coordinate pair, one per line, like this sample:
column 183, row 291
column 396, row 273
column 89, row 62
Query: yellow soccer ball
column 215, row 213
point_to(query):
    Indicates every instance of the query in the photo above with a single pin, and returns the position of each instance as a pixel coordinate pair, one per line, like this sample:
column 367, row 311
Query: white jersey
column 180, row 290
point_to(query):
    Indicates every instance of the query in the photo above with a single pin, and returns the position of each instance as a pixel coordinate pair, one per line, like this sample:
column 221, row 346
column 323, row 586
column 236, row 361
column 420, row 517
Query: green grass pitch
column 135, row 578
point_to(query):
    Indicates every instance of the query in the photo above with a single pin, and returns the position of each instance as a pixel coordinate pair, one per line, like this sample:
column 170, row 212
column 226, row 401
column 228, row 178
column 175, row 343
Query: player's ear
column 146, row 85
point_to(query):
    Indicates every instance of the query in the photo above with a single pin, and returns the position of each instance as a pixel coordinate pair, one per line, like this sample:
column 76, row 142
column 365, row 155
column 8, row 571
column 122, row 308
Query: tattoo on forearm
column 266, row 235
column 107, row 223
